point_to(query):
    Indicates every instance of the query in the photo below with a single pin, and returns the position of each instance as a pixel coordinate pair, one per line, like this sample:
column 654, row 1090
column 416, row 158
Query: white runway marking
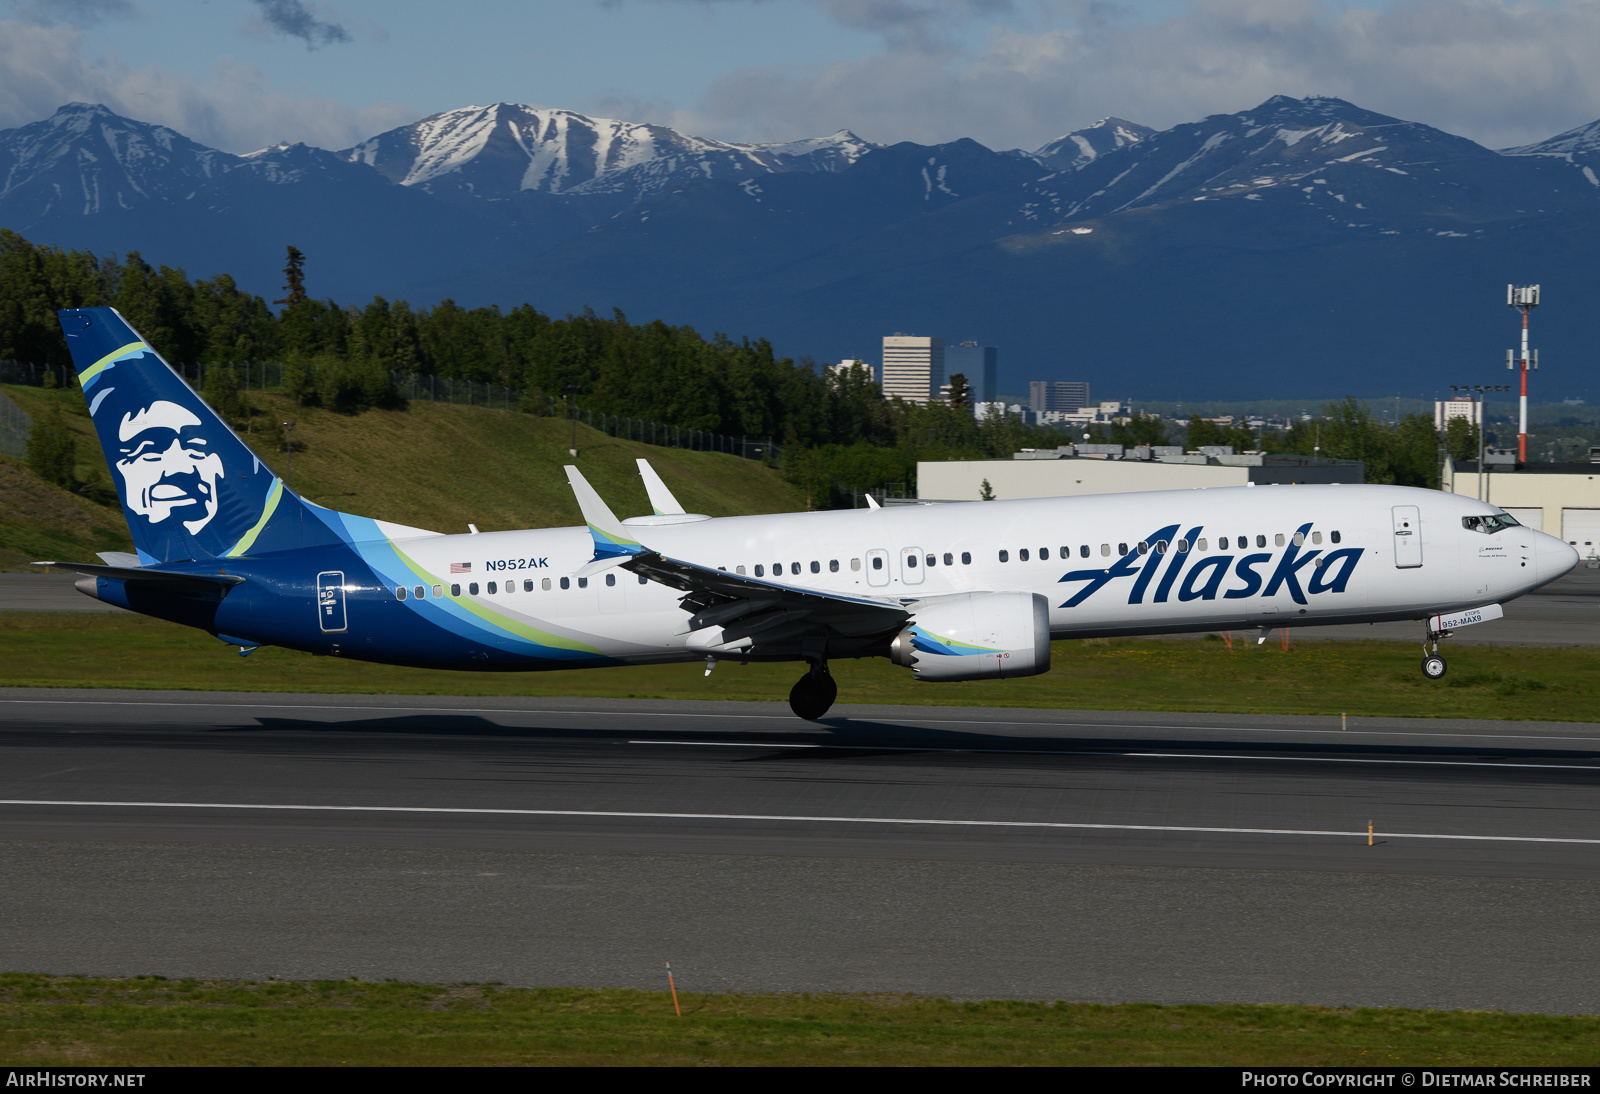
column 1128, row 755
column 1080, row 825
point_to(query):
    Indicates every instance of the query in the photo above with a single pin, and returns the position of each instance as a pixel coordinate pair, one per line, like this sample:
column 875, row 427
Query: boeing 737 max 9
column 951, row 592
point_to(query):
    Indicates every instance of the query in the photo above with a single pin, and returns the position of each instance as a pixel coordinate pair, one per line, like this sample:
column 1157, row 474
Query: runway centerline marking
column 926, row 821
column 789, row 718
column 1128, row 755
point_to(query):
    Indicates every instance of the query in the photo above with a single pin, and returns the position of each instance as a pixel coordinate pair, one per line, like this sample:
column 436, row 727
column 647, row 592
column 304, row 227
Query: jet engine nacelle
column 980, row 636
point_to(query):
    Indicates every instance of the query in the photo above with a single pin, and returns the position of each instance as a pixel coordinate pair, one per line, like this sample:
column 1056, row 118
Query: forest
column 838, row 434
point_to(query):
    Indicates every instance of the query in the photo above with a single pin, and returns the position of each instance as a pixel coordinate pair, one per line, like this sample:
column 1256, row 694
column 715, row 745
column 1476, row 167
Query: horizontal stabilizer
column 149, row 574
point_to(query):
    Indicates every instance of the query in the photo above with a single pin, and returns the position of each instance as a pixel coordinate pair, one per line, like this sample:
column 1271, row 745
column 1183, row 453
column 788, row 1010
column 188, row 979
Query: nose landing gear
column 1433, row 666
column 813, row 693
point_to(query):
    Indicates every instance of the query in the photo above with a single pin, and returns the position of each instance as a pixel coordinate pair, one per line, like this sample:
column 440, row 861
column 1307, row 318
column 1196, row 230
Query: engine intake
column 980, row 636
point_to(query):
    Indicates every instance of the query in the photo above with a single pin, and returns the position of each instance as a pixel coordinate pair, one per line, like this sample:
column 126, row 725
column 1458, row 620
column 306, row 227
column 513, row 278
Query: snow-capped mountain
column 497, row 151
column 1579, row 147
column 1353, row 166
column 84, row 160
column 1083, row 146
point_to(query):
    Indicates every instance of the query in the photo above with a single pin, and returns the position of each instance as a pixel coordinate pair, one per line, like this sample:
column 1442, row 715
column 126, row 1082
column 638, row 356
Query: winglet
column 661, row 499
column 610, row 541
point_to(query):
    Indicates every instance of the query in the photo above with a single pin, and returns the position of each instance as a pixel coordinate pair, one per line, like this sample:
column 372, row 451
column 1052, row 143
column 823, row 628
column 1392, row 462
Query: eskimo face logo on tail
column 167, row 467
column 1321, row 573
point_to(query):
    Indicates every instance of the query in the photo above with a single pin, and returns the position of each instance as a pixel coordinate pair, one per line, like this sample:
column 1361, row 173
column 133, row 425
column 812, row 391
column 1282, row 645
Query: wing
column 732, row 613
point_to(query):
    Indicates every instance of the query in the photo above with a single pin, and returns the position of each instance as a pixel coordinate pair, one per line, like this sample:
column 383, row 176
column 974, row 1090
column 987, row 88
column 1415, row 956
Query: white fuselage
column 1212, row 559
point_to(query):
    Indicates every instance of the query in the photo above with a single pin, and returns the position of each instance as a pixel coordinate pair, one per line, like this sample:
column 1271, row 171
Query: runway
column 1041, row 854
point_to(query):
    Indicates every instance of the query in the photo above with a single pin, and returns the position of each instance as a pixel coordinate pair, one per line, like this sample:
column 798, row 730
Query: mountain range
column 1303, row 248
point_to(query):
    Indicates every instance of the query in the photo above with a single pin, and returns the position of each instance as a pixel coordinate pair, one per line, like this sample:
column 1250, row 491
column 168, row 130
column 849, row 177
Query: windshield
column 1489, row 525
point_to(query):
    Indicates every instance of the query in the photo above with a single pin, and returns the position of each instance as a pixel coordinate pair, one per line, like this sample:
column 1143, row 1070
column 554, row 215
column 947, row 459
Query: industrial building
column 1073, row 470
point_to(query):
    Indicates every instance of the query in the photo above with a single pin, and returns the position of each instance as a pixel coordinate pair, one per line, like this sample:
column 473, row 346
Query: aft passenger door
column 1407, row 537
column 330, row 602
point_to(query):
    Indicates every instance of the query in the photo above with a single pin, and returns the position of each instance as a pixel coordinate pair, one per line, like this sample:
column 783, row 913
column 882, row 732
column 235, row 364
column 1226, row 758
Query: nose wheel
column 813, row 693
column 1433, row 666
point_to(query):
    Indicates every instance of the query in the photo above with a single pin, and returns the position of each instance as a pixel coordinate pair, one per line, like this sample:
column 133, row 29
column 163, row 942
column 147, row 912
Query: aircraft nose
column 1553, row 557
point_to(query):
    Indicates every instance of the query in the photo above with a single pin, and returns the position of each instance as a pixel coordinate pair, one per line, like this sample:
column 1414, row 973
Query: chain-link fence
column 15, row 426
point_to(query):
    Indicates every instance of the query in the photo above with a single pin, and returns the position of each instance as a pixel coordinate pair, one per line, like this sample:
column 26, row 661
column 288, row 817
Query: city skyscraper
column 913, row 367
column 979, row 364
column 1058, row 395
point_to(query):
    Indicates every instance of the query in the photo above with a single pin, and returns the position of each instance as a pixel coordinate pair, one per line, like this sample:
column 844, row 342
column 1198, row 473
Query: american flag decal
column 461, row 567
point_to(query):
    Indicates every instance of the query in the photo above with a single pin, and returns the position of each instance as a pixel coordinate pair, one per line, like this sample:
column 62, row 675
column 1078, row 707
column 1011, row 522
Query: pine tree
column 985, row 491
column 294, row 285
column 960, row 393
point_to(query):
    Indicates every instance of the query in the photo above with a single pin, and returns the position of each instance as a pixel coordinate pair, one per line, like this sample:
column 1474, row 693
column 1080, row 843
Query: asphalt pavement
column 968, row 852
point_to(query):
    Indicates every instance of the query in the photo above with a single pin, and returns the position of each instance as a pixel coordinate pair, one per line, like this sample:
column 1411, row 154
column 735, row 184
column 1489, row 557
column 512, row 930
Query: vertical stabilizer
column 190, row 488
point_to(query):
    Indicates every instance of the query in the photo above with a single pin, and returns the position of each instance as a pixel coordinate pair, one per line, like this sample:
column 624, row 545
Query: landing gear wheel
column 813, row 694
column 1433, row 666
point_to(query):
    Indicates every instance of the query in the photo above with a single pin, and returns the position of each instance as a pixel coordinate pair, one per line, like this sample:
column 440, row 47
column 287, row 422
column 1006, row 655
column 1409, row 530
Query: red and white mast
column 1524, row 298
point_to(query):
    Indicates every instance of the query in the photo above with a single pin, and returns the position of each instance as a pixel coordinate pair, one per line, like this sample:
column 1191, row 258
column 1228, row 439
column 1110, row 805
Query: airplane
column 961, row 591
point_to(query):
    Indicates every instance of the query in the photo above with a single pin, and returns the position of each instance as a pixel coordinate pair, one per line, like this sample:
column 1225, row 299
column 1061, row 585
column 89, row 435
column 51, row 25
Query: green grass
column 40, row 649
column 151, row 1022
column 434, row 466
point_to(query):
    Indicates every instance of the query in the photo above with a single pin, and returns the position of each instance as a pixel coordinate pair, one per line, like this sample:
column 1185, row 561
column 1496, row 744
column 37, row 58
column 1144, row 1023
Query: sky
column 243, row 74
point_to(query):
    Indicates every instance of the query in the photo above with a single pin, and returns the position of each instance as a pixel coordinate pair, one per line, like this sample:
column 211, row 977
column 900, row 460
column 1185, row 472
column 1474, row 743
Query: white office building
column 1457, row 406
column 850, row 364
column 913, row 367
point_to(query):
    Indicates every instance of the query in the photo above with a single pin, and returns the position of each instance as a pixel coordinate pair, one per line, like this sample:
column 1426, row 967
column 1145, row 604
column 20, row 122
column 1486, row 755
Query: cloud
column 80, row 13
column 1499, row 71
column 235, row 109
column 293, row 19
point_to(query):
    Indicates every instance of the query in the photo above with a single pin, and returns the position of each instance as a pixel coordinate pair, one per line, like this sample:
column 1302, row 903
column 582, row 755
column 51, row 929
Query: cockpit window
column 1489, row 525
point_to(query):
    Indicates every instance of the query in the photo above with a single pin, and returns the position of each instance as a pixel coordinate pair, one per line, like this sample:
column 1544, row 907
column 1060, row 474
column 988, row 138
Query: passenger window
column 949, row 559
column 966, row 558
column 473, row 588
column 816, row 567
column 1161, row 546
column 399, row 592
column 545, row 584
column 1084, row 551
column 1316, row 537
column 511, row 587
column 1105, row 550
column 583, row 583
column 761, row 571
column 1277, row 540
column 491, row 587
column 1122, row 548
column 1144, row 547
column 643, row 580
column 1261, row 541
column 1202, row 545
column 777, row 569
column 1022, row 555
column 566, row 583
column 1299, row 539
column 911, row 561
column 438, row 591
column 1005, row 556
column 527, row 584
column 855, row 565
column 833, row 565
column 932, row 560
column 877, row 563
column 739, row 570
column 1333, row 536
column 1044, row 554
column 611, row 580
column 455, row 590
column 420, row 592
column 1183, row 546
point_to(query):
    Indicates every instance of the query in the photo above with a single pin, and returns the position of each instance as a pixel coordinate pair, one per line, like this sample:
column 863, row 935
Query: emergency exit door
column 1407, row 537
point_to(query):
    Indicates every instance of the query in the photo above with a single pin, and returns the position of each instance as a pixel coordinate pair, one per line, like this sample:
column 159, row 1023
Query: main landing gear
column 813, row 693
column 1433, row 666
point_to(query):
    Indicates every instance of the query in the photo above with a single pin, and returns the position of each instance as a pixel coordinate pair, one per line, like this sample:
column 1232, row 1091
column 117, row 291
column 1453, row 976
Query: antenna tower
column 1524, row 298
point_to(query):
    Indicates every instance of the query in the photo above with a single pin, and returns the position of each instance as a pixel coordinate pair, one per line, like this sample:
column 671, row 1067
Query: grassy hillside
column 433, row 466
